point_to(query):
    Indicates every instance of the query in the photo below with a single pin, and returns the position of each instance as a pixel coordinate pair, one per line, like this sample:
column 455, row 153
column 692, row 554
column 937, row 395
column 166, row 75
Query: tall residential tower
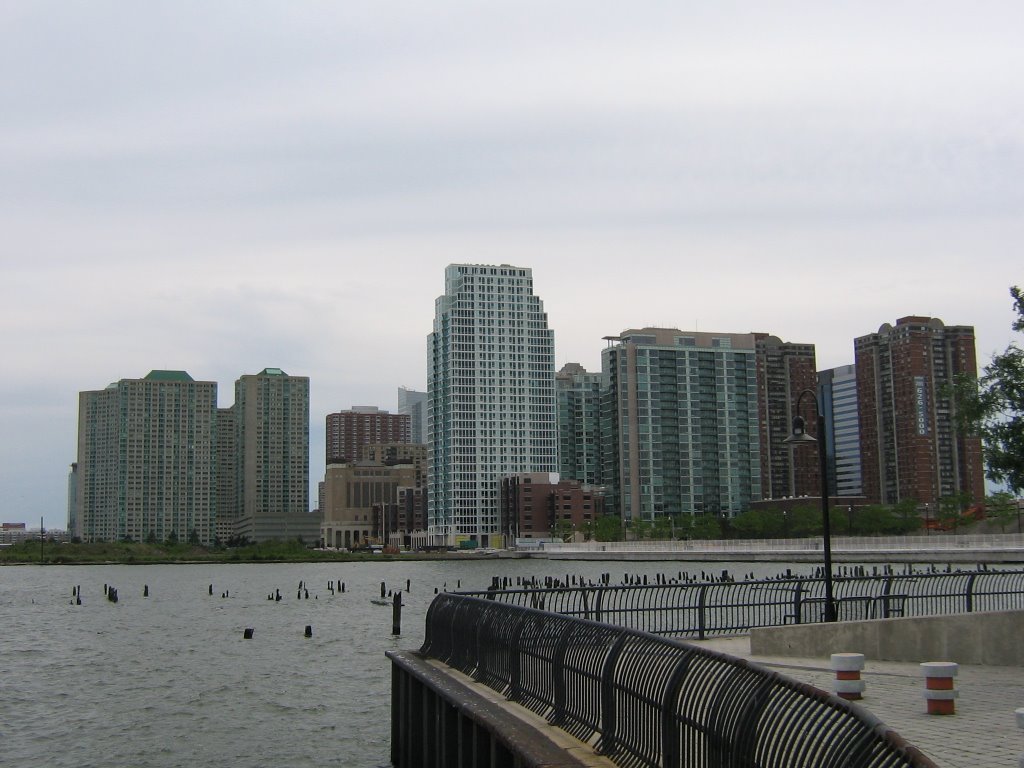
column 579, row 423
column 784, row 371
column 147, row 460
column 491, row 396
column 680, row 429
column 837, row 388
column 910, row 448
column 348, row 431
column 272, row 443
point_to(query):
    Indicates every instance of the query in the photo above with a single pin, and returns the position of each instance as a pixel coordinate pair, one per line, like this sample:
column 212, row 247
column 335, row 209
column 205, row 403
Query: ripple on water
column 168, row 681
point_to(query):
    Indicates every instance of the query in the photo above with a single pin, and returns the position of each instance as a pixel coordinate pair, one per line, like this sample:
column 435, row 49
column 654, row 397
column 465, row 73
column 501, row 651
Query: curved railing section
column 706, row 609
column 644, row 700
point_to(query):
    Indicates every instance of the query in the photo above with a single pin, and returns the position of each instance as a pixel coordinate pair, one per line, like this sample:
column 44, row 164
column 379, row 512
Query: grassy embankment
column 28, row 552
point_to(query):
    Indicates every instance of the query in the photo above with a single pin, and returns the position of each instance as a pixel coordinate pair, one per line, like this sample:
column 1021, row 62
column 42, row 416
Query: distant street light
column 800, row 437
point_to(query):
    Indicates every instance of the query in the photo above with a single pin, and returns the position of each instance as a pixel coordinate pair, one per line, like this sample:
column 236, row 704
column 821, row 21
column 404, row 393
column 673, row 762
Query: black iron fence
column 701, row 610
column 644, row 700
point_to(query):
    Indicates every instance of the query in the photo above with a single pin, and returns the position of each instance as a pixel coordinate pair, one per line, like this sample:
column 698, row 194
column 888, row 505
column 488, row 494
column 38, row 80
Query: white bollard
column 847, row 667
column 1020, row 724
column 939, row 686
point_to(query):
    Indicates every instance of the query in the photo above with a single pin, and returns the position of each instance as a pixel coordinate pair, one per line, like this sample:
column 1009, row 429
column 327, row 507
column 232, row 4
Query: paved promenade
column 982, row 734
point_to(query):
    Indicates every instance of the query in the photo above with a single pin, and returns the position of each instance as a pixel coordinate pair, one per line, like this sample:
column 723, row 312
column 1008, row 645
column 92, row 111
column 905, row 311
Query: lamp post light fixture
column 800, row 437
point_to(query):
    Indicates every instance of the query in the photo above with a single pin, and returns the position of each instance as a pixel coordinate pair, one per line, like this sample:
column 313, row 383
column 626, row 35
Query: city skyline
column 218, row 191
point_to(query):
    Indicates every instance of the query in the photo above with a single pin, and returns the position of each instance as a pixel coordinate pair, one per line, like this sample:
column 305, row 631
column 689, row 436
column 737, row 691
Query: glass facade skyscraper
column 491, row 396
column 837, row 388
column 681, row 423
column 579, row 423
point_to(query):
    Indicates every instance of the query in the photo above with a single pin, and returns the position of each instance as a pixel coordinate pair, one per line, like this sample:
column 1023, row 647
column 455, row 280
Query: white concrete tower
column 491, row 396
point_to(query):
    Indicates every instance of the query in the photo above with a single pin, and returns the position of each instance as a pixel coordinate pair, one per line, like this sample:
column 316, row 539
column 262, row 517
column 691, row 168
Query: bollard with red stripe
column 939, row 691
column 1020, row 724
column 847, row 667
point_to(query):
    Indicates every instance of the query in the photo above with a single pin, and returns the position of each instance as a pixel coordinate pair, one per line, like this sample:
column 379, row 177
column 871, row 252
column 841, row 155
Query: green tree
column 608, row 528
column 1001, row 506
column 953, row 510
column 761, row 524
column 642, row 529
column 906, row 519
column 992, row 407
column 561, row 529
column 806, row 521
column 705, row 527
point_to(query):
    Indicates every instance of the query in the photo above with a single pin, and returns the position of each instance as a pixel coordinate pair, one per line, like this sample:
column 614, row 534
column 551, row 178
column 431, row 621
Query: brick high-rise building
column 910, row 448
column 784, row 370
column 348, row 431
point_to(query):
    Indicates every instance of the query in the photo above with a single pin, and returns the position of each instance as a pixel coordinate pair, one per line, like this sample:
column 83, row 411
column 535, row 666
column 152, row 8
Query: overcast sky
column 223, row 187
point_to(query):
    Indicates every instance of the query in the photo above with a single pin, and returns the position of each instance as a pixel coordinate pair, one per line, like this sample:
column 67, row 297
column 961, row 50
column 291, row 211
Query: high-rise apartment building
column 837, row 389
column 158, row 459
column 680, row 427
column 491, row 395
column 784, row 370
column 910, row 447
column 271, row 415
column 414, row 405
column 229, row 500
column 578, row 394
column 147, row 459
column 348, row 431
column 72, row 499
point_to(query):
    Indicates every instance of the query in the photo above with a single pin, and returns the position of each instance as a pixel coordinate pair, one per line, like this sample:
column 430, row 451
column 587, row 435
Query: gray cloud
column 223, row 187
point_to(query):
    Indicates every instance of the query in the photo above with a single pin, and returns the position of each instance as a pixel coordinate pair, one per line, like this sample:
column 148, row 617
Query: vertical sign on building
column 921, row 405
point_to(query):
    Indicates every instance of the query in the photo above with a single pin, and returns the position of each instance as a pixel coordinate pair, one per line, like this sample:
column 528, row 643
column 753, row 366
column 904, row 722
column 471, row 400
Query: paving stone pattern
column 982, row 734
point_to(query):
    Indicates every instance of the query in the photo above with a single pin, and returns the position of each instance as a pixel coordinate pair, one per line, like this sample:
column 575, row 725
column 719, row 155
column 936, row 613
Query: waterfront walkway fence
column 706, row 609
column 644, row 700
column 925, row 544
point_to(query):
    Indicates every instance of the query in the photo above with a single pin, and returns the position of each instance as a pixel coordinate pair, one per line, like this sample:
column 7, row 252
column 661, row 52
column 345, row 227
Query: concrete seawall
column 974, row 638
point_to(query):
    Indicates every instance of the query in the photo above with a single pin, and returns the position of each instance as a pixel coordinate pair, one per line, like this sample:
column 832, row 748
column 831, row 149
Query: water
column 169, row 681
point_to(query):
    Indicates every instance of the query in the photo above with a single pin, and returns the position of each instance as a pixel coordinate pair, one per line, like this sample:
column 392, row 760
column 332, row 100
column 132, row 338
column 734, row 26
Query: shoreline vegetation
column 132, row 553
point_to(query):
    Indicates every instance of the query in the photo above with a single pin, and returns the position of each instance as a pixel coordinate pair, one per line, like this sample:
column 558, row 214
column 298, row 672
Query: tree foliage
column 608, row 528
column 992, row 407
column 1002, row 507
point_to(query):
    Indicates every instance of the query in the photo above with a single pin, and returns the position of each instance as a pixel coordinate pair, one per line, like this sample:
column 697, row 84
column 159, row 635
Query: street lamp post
column 799, row 437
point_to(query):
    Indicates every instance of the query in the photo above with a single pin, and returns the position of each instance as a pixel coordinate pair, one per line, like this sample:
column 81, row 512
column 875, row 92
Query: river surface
column 168, row 680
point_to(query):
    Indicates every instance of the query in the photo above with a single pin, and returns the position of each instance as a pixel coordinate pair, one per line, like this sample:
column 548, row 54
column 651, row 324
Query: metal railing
column 922, row 543
column 644, row 700
column 704, row 609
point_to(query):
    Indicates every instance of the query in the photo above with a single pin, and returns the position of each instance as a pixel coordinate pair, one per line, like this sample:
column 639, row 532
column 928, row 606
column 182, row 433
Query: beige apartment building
column 146, row 460
column 158, row 460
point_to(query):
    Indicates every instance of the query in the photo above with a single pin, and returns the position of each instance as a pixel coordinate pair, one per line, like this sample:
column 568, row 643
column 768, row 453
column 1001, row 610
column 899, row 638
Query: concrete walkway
column 982, row 734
